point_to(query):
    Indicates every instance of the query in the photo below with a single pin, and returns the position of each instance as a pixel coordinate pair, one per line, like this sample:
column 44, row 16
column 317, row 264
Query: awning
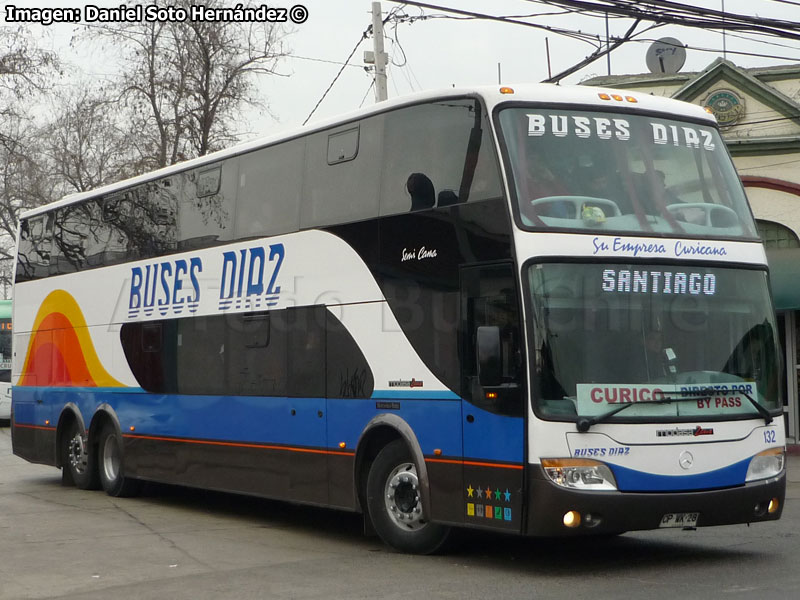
column 784, row 273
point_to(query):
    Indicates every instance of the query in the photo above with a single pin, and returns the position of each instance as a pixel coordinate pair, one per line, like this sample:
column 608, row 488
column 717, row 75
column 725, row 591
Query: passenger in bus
column 669, row 196
column 541, row 180
column 421, row 190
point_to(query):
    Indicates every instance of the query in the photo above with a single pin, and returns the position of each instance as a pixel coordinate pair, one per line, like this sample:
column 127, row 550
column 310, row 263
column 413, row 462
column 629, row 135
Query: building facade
column 758, row 110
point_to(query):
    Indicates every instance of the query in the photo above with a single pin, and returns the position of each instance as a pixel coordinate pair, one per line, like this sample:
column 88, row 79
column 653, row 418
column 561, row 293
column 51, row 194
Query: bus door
column 306, row 417
column 493, row 406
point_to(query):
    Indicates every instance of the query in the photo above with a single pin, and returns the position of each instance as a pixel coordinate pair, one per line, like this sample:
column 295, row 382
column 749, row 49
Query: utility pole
column 380, row 56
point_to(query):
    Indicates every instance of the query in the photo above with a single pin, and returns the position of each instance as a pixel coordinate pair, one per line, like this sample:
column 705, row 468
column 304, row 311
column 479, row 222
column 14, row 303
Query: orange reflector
column 604, row 96
column 708, row 110
column 617, row 97
column 133, row 428
column 774, row 504
column 506, row 90
column 491, row 395
column 342, row 445
column 437, row 451
column 47, row 422
column 631, row 99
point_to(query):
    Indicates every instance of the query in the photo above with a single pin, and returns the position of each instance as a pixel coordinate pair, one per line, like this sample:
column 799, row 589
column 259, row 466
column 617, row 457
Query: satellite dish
column 666, row 55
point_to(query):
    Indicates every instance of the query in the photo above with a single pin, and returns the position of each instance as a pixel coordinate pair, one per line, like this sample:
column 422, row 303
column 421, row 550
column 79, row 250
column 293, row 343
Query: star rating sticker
column 497, row 494
column 470, row 490
column 480, row 493
column 489, row 493
column 507, row 495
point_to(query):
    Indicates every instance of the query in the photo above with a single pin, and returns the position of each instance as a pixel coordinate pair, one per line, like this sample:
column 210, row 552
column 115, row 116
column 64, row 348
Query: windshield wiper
column 760, row 408
column 584, row 423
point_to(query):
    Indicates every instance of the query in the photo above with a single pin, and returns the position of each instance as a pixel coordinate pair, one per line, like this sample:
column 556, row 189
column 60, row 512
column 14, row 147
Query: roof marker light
column 631, row 99
column 604, row 96
column 617, row 97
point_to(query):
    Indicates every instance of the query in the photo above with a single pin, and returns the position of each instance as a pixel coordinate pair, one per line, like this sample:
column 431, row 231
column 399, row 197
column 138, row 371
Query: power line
column 681, row 14
column 502, row 19
column 729, row 51
column 321, row 60
column 341, row 70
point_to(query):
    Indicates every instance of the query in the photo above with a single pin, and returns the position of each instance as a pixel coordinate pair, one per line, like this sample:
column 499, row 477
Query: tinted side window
column 207, row 206
column 271, row 353
column 79, row 237
column 35, row 242
column 489, row 298
column 438, row 154
column 255, row 354
column 305, row 344
column 269, row 190
column 344, row 191
column 141, row 222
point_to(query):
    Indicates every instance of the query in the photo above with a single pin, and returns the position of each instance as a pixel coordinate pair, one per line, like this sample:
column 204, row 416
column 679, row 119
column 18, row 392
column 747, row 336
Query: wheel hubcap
column 402, row 497
column 111, row 459
column 78, row 458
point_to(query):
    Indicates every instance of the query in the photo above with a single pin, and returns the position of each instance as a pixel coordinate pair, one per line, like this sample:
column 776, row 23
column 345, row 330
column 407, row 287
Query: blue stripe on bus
column 631, row 480
column 437, row 423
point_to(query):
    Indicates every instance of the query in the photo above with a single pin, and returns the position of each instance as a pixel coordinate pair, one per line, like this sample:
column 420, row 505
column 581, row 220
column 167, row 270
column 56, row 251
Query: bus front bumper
column 617, row 512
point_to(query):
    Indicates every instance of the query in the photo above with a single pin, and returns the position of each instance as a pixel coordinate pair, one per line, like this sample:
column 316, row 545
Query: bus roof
column 546, row 93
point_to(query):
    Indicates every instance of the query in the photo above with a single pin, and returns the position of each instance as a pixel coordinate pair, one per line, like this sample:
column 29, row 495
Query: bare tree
column 187, row 83
column 25, row 71
column 86, row 141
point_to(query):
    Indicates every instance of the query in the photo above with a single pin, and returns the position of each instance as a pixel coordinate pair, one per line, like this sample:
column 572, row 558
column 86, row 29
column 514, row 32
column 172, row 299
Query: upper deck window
column 621, row 172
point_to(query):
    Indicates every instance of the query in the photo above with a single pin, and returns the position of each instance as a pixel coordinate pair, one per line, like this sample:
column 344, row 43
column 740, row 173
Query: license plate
column 688, row 519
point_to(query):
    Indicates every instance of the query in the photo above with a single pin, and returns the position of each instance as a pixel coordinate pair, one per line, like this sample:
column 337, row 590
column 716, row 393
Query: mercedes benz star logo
column 686, row 460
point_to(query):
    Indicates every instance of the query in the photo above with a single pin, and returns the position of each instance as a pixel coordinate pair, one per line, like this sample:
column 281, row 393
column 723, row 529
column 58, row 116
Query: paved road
column 58, row 542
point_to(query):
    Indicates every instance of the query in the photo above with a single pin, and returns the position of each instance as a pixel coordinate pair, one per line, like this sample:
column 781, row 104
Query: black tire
column 394, row 503
column 109, row 465
column 78, row 459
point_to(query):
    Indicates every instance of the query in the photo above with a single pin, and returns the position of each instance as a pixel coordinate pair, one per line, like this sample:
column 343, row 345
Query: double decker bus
column 541, row 310
column 5, row 360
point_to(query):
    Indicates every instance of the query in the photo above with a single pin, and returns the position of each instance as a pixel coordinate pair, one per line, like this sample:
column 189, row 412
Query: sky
column 443, row 52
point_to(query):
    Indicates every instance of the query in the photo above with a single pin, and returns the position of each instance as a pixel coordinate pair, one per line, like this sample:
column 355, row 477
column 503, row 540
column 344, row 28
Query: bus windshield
column 607, row 334
column 623, row 172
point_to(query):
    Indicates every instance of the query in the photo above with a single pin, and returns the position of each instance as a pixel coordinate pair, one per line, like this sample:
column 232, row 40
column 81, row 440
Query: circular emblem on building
column 686, row 460
column 727, row 106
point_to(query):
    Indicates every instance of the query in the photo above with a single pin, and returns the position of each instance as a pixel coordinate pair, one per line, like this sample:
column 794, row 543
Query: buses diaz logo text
column 246, row 279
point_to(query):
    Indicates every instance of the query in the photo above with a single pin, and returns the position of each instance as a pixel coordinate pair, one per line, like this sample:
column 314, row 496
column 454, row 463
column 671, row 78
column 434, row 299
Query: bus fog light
column 774, row 505
column 592, row 520
column 579, row 474
column 766, row 464
column 572, row 519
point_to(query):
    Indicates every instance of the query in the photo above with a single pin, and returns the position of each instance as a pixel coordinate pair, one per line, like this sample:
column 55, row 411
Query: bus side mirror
column 489, row 356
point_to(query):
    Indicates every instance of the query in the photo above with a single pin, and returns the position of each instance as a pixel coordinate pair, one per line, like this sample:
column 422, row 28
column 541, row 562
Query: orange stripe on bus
column 236, row 445
column 25, row 426
column 473, row 463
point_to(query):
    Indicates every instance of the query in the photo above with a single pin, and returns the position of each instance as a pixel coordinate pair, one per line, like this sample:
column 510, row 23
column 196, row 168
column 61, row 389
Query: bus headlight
column 579, row 473
column 766, row 464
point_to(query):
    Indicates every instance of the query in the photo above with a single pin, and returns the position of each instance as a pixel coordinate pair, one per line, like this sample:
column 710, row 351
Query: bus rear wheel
column 110, row 465
column 394, row 502
column 79, row 465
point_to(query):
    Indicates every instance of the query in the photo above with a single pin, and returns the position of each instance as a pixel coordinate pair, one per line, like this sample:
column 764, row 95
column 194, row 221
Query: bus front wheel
column 110, row 463
column 79, row 464
column 394, row 502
